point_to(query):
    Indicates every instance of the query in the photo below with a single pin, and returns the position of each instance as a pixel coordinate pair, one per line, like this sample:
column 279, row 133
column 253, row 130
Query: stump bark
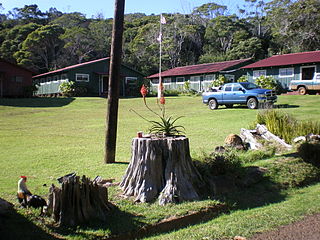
column 161, row 167
column 78, row 202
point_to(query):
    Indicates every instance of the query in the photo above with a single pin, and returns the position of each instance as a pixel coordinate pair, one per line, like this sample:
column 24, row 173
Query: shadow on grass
column 118, row 222
column 35, row 102
column 260, row 194
column 15, row 226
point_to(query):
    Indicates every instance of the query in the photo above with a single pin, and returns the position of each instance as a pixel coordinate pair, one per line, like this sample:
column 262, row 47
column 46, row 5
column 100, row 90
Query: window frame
column 259, row 71
column 285, row 76
column 195, row 77
column 82, row 75
column 180, row 82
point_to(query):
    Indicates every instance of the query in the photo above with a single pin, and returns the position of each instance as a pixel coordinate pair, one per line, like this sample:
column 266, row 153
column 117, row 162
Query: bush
column 310, row 153
column 293, row 172
column 219, row 81
column 285, row 126
column 67, row 89
column 243, row 78
column 266, row 82
column 217, row 164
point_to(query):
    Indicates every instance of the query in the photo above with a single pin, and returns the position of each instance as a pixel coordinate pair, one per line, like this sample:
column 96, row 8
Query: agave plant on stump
column 166, row 125
column 161, row 167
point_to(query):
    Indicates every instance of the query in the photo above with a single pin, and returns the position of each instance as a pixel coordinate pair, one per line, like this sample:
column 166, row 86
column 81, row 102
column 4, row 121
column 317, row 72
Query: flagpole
column 160, row 78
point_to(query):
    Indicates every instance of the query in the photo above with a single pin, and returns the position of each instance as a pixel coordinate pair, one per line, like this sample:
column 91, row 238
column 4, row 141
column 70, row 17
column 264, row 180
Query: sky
column 94, row 8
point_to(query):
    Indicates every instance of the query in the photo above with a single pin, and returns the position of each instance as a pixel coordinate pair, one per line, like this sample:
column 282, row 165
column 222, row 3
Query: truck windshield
column 248, row 85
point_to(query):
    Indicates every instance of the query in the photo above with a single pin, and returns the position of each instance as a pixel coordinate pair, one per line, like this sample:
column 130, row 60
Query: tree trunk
column 161, row 167
column 78, row 202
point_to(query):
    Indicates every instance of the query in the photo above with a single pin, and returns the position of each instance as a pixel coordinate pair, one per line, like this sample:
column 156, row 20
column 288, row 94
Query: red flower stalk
column 143, row 91
column 162, row 100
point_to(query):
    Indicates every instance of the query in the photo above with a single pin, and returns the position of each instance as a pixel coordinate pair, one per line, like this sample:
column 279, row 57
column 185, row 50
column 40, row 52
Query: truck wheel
column 252, row 103
column 213, row 104
column 302, row 90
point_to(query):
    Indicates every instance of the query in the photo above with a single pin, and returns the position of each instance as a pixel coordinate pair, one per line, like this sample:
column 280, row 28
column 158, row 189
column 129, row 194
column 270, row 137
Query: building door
column 307, row 73
column 103, row 85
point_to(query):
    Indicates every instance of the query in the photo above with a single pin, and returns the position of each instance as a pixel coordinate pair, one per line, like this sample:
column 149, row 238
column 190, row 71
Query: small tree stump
column 161, row 167
column 78, row 202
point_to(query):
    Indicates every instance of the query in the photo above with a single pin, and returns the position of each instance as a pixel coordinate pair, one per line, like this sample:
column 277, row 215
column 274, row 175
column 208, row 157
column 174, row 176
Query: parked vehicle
column 244, row 93
column 306, row 86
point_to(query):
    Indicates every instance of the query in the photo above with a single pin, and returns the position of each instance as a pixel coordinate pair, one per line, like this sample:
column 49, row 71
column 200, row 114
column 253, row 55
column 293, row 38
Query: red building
column 14, row 80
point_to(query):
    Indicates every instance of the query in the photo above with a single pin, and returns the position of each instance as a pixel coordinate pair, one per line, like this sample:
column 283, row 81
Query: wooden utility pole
column 114, row 81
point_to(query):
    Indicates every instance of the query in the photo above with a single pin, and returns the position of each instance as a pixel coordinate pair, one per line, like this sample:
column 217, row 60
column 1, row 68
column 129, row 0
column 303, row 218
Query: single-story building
column 200, row 76
column 287, row 67
column 14, row 80
column 92, row 77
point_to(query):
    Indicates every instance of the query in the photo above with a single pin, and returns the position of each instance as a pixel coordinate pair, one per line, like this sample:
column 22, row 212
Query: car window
column 227, row 88
column 249, row 85
column 237, row 87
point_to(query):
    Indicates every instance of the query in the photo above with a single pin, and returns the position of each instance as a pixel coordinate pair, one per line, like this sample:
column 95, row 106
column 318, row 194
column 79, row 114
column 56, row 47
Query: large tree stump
column 161, row 167
column 78, row 202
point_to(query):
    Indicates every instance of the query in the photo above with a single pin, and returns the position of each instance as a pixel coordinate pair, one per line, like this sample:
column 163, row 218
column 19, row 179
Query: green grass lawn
column 47, row 138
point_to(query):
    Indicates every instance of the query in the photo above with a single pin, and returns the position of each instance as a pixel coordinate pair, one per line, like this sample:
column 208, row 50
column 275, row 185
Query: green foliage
column 219, row 81
column 310, row 152
column 217, row 164
column 293, row 172
column 243, row 78
column 166, row 126
column 266, row 82
column 67, row 88
column 286, row 126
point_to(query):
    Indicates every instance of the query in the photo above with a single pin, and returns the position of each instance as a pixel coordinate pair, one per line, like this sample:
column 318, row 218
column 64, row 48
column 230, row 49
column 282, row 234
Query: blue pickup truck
column 245, row 93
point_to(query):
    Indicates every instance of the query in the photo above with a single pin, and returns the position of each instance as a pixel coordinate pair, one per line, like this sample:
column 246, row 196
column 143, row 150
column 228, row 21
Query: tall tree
column 41, row 48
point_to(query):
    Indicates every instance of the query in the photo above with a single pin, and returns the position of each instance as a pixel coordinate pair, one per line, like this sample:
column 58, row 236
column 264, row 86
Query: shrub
column 266, row 82
column 217, row 164
column 310, row 153
column 67, row 89
column 243, row 78
column 293, row 172
column 285, row 126
column 219, row 81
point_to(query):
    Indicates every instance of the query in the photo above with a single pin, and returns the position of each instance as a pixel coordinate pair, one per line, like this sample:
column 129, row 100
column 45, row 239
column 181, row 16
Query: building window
column 80, row 77
column 195, row 79
column 155, row 81
column 259, row 73
column 167, row 80
column 286, row 72
column 18, row 79
column 131, row 79
column 180, row 79
column 209, row 78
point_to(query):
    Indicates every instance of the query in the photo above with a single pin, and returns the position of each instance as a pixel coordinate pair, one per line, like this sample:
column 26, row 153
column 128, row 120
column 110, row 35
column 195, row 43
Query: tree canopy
column 43, row 41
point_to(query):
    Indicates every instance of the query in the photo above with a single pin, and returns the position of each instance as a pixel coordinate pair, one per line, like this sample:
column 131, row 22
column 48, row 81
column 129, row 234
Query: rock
column 239, row 238
column 313, row 138
column 253, row 175
column 235, row 141
column 299, row 139
column 220, row 149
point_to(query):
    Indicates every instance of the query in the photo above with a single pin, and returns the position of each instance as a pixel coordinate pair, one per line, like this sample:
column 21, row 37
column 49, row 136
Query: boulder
column 233, row 140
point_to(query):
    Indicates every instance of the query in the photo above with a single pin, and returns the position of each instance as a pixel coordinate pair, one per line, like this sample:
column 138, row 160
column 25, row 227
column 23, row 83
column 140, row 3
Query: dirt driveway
column 307, row 228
